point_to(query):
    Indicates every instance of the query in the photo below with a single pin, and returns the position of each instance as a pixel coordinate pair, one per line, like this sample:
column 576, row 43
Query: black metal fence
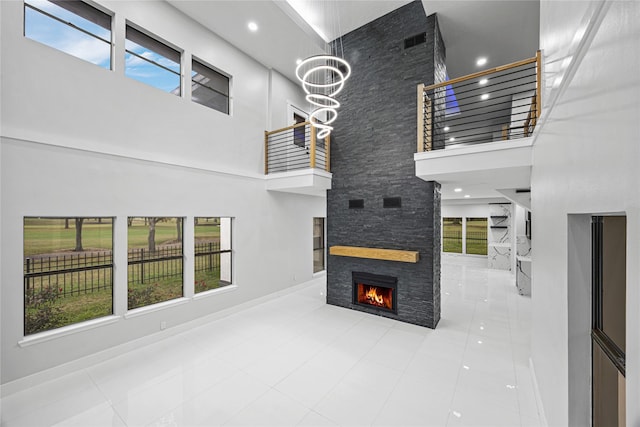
column 81, row 273
column 207, row 256
column 452, row 239
column 69, row 274
column 147, row 266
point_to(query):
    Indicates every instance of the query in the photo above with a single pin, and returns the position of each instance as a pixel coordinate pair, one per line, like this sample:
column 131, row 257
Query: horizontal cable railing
column 295, row 147
column 498, row 104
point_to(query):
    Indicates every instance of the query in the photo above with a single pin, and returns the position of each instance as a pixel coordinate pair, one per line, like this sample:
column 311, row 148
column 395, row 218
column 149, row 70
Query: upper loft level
column 477, row 129
column 297, row 161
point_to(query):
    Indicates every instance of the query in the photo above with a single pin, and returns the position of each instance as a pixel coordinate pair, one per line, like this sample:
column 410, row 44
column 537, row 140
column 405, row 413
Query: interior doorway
column 608, row 331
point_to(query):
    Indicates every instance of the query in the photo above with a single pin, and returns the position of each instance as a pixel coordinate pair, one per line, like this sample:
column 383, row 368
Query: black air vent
column 392, row 202
column 415, row 40
column 356, row 204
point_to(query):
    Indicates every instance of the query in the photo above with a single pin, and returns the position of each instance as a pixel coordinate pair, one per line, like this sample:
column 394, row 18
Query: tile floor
column 297, row 361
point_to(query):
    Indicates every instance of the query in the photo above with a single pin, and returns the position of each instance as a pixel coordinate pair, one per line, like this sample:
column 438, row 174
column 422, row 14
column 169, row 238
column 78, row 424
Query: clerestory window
column 209, row 87
column 151, row 61
column 73, row 27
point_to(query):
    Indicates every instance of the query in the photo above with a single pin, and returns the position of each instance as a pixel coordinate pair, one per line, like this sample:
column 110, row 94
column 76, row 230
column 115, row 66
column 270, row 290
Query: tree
column 179, row 228
column 152, row 233
column 79, row 222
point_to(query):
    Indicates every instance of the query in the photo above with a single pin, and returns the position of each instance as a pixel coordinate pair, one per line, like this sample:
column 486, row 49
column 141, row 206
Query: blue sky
column 67, row 39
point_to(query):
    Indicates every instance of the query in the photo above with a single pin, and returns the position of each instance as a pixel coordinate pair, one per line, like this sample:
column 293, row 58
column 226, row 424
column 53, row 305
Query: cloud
column 92, row 50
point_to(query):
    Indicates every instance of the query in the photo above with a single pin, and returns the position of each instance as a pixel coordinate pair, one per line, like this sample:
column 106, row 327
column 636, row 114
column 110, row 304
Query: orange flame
column 373, row 298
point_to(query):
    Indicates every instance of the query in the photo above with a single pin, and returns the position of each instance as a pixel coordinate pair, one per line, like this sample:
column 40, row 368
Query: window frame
column 164, row 45
column 140, row 261
column 466, row 233
column 323, row 243
column 220, row 252
column 107, row 14
column 69, row 268
column 195, row 60
column 598, row 334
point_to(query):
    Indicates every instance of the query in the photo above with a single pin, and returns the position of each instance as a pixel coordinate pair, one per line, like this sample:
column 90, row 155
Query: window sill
column 141, row 311
column 224, row 289
column 67, row 330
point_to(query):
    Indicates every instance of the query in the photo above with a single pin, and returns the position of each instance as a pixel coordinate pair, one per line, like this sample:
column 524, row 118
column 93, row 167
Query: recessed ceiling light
column 298, row 61
column 452, row 139
column 446, row 128
column 483, row 82
column 252, row 26
column 484, row 96
column 457, row 190
column 481, row 61
column 466, row 196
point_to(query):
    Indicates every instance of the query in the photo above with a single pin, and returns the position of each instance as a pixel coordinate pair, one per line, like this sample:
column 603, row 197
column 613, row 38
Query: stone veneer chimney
column 374, row 141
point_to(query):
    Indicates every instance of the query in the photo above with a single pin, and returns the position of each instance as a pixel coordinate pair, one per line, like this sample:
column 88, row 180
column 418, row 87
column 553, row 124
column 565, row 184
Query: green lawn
column 50, row 309
column 45, row 236
column 86, row 306
column 451, row 227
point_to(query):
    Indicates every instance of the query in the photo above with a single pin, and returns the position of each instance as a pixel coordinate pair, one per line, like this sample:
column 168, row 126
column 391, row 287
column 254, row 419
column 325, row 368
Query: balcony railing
column 501, row 103
column 295, row 147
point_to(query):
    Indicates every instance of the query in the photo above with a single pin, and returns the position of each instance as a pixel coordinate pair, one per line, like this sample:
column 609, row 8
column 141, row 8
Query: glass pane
column 211, row 262
column 476, row 236
column 605, row 387
column 155, row 260
column 65, row 38
column 452, row 235
column 77, row 13
column 151, row 67
column 209, row 98
column 68, row 271
column 614, row 278
column 210, row 78
column 318, row 244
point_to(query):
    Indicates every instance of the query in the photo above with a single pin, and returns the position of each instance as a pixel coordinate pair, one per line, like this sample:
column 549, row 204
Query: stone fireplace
column 383, row 223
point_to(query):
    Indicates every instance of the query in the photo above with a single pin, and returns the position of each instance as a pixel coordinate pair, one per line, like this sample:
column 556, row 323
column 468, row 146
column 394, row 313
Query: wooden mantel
column 375, row 253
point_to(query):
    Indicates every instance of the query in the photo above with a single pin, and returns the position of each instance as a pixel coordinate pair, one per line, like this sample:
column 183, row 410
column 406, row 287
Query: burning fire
column 373, row 298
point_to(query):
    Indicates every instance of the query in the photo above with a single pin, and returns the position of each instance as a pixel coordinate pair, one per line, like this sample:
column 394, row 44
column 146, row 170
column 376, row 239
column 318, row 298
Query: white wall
column 585, row 161
column 520, row 221
column 469, row 211
column 284, row 92
column 78, row 140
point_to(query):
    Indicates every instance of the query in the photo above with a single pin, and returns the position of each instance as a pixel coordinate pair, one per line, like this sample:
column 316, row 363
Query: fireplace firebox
column 375, row 291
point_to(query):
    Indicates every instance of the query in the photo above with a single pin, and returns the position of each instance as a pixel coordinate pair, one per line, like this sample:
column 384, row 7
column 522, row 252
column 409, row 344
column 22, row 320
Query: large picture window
column 68, row 271
column 212, row 250
column 151, row 61
column 209, row 87
column 155, row 272
column 73, row 27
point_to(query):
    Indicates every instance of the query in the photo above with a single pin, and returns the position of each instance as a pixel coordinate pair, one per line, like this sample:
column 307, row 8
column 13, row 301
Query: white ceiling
column 502, row 30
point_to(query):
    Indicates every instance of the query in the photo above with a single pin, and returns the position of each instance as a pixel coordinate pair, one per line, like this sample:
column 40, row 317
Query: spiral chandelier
column 322, row 78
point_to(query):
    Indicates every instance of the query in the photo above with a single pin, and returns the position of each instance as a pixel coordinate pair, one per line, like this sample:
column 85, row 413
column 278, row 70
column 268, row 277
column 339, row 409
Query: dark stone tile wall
column 374, row 140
